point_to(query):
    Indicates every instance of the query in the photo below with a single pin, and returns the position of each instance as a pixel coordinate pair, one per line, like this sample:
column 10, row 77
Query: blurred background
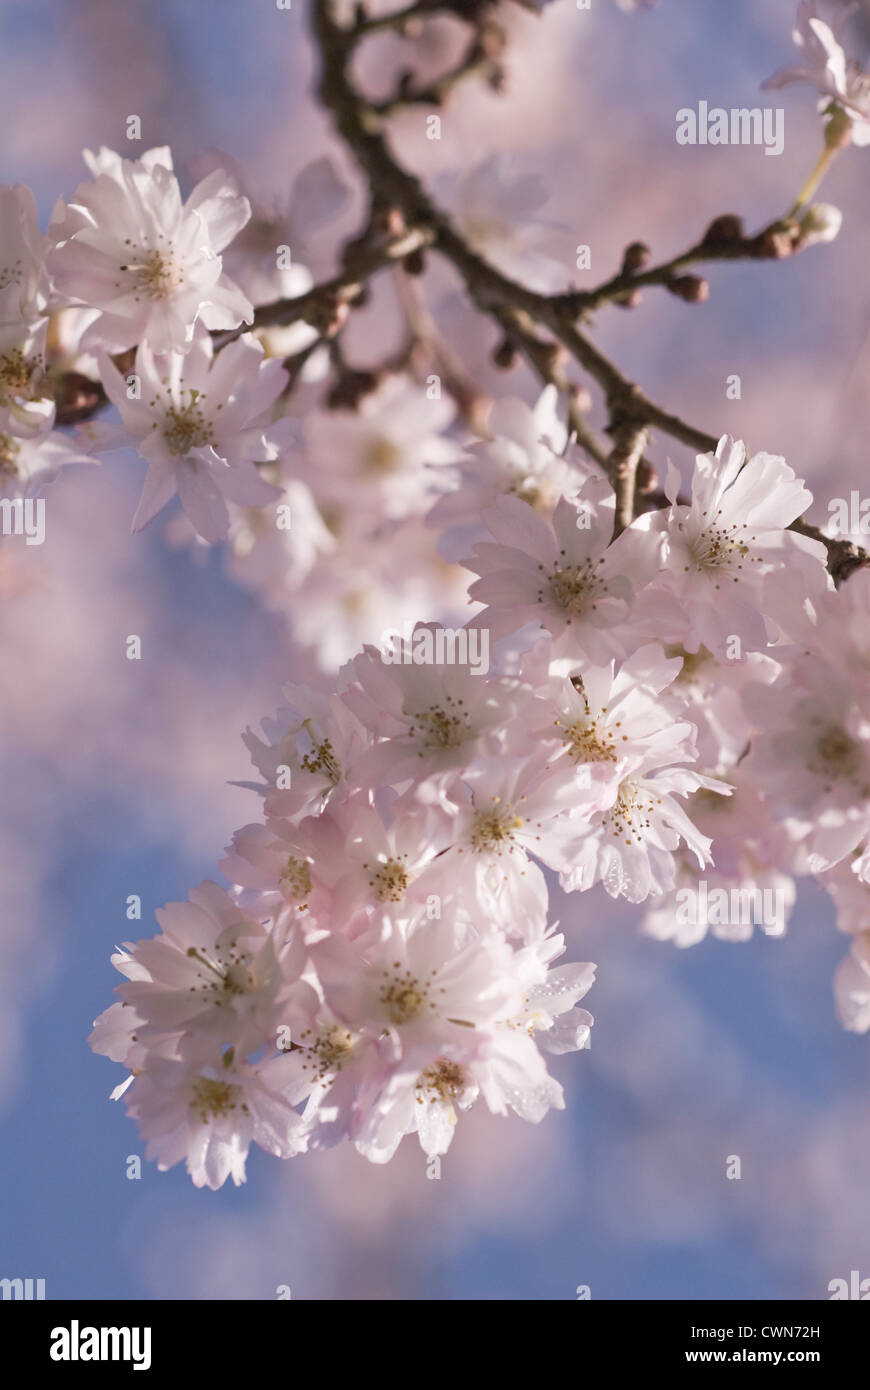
column 115, row 774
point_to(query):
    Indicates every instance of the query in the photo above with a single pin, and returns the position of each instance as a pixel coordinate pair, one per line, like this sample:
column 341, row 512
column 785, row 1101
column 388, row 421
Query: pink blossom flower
column 128, row 246
column 377, row 455
column 429, row 718
column 524, row 458
column 733, row 533
column 214, row 974
column 29, row 465
column 201, row 422
column 312, row 748
column 210, row 1114
column 564, row 574
column 843, row 85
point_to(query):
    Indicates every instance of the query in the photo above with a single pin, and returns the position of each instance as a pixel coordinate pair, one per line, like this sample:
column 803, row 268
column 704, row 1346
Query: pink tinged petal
column 203, row 503
column 317, row 196
column 673, row 483
column 159, row 488
column 222, row 208
column 512, row 418
column 227, row 307
column 784, row 76
column 597, row 499
column 242, row 483
column 516, row 524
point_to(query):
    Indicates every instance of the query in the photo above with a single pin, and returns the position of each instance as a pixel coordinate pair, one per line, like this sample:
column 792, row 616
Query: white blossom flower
column 210, row 1114
column 202, row 423
column 564, row 575
column 719, row 548
column 496, row 206
column 28, row 466
column 373, row 460
column 840, row 80
column 525, row 457
column 151, row 264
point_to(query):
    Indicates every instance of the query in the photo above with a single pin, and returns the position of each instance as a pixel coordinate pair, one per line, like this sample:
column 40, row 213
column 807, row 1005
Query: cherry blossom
column 663, row 695
column 844, row 87
column 128, row 246
column 202, row 424
column 562, row 574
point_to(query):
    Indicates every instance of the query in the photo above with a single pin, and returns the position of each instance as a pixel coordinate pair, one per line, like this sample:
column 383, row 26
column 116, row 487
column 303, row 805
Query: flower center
column 214, row 1099
column 717, row 547
column 443, row 1082
column 321, row 759
column 295, row 879
column 836, row 757
column 186, row 427
column 156, row 274
column 629, row 816
column 438, row 728
column 573, row 588
column 224, row 975
column 9, row 451
column 329, row 1050
column 17, row 371
column 587, row 743
column 383, row 456
column 405, row 997
column 334, row 1048
column 389, row 881
column 493, row 829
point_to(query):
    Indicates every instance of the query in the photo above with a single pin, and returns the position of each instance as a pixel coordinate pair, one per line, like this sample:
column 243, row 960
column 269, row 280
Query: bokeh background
column 115, row 775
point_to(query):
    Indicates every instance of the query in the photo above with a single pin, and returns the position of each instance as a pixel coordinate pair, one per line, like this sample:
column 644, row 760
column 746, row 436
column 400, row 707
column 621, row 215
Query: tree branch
column 633, row 414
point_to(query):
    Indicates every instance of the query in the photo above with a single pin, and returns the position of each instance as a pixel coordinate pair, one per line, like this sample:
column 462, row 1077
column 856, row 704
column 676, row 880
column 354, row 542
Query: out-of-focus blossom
column 844, row 87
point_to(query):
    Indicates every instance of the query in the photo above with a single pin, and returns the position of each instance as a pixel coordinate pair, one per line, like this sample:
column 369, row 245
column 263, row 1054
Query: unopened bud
column 691, row 288
column 636, row 258
column 629, row 301
column 777, row 243
column 505, row 355
column 821, row 222
column 728, row 227
column 415, row 264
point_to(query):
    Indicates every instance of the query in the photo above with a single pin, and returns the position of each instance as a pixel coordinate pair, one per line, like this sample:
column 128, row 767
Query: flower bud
column 505, row 355
column 691, row 288
column 728, row 227
column 636, row 258
column 821, row 222
column 415, row 264
column 776, row 243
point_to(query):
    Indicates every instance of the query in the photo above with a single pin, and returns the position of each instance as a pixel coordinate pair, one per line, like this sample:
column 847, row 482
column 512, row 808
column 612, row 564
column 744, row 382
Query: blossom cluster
column 675, row 704
column 687, row 699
